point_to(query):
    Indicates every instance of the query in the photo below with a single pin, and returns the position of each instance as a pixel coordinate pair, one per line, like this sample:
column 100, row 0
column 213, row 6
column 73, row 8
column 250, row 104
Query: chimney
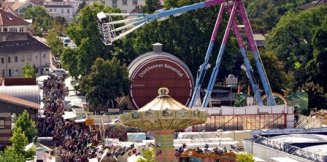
column 157, row 47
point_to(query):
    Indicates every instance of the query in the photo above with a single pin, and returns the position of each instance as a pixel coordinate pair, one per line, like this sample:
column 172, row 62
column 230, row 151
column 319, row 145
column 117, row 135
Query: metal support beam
column 219, row 58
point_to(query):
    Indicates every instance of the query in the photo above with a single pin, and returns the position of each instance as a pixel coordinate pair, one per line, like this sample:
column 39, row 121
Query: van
column 59, row 72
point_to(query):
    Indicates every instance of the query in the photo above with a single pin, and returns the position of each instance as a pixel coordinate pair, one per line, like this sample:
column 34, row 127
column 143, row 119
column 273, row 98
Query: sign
column 89, row 121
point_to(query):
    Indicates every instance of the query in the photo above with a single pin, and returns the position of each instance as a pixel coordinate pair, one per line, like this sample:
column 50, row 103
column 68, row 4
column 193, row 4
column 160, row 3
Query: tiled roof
column 8, row 19
column 17, row 5
column 20, row 42
column 58, row 6
column 18, row 101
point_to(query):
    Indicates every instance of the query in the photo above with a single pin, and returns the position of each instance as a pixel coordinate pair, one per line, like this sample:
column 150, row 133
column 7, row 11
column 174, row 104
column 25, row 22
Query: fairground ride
column 113, row 30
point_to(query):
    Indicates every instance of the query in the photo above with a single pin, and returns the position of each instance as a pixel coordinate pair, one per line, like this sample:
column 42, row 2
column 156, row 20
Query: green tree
column 244, row 157
column 27, row 125
column 81, row 6
column 29, row 71
column 317, row 96
column 148, row 155
column 107, row 81
column 151, row 6
column 16, row 152
column 83, row 31
column 187, row 36
column 55, row 43
column 10, row 155
column 266, row 13
column 40, row 17
column 19, row 140
column 69, row 60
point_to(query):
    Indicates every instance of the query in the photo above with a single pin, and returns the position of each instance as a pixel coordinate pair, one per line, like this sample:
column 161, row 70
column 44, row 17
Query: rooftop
column 18, row 101
column 8, row 19
column 12, row 42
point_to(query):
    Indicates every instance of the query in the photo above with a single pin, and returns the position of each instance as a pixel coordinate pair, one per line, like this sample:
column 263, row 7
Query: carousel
column 163, row 116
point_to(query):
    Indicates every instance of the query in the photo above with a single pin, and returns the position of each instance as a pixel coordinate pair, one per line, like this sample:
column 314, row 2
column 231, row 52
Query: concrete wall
column 266, row 153
column 128, row 7
column 18, row 60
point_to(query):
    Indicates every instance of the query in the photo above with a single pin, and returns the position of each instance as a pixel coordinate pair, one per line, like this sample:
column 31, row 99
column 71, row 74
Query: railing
column 308, row 122
column 287, row 148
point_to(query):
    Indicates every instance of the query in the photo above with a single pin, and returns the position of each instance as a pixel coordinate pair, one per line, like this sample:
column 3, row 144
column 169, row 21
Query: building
column 18, row 6
column 293, row 145
column 248, row 118
column 9, row 106
column 17, row 49
column 12, row 23
column 125, row 5
column 62, row 8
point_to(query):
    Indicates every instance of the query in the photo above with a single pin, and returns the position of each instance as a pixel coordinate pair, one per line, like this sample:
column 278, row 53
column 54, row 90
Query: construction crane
column 113, row 30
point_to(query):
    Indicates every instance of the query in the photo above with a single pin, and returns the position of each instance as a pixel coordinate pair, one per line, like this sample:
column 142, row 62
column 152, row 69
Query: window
column 36, row 56
column 21, row 29
column 13, row 29
column 16, row 71
column 114, row 3
column 124, row 2
column 9, row 72
column 9, row 59
column 50, row 9
column 62, row 10
column 44, row 55
column 5, row 29
column 16, row 58
column 3, row 72
column 67, row 10
column 2, row 123
column 23, row 58
column 2, row 60
column 134, row 2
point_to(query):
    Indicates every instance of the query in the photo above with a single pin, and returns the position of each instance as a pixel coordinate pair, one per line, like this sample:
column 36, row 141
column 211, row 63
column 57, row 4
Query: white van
column 59, row 72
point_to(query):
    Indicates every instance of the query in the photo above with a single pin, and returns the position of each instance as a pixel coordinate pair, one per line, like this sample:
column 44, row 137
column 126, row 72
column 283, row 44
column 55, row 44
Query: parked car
column 59, row 72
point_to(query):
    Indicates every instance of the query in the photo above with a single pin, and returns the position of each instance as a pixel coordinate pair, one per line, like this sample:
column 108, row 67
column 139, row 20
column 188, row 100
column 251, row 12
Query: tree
column 69, row 60
column 148, row 155
column 187, row 36
column 29, row 71
column 19, row 140
column 295, row 39
column 55, row 43
column 40, row 17
column 16, row 152
column 81, row 6
column 83, row 31
column 265, row 13
column 27, row 125
column 244, row 157
column 10, row 155
column 107, row 81
column 151, row 6
column 317, row 96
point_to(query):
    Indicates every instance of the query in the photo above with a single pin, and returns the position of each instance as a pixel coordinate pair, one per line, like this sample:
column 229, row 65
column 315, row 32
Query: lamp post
column 231, row 81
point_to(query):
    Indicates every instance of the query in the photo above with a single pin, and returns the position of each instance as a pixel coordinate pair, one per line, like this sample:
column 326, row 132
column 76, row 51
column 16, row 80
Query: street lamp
column 231, row 81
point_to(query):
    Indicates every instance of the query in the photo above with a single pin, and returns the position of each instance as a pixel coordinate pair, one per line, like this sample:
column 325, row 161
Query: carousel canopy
column 163, row 112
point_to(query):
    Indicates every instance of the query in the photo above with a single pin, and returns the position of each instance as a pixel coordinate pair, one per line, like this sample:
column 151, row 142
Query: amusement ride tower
column 235, row 8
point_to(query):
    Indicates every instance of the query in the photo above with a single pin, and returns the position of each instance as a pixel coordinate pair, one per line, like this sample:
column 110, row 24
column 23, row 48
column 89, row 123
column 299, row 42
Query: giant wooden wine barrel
column 156, row 69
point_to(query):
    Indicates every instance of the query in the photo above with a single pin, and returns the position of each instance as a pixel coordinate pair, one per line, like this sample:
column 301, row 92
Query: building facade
column 18, row 49
column 13, row 106
column 61, row 8
column 12, row 23
column 125, row 5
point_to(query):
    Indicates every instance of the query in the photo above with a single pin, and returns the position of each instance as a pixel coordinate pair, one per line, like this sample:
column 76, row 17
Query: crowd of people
column 70, row 139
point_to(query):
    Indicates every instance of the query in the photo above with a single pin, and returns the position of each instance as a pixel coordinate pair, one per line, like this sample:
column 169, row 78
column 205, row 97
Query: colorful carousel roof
column 163, row 112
